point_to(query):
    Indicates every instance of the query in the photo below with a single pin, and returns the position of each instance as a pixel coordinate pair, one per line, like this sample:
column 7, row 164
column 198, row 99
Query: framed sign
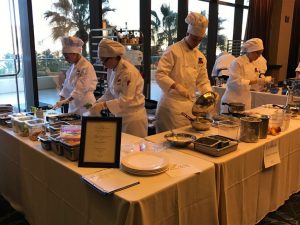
column 100, row 142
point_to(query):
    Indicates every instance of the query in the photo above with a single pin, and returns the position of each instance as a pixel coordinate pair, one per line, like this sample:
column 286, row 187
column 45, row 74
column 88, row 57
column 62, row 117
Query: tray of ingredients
column 67, row 117
column 215, row 145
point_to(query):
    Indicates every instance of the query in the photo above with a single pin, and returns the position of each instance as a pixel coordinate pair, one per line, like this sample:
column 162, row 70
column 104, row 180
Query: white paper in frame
column 100, row 142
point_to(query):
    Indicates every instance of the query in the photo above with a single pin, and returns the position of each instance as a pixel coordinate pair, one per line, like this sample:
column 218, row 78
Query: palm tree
column 169, row 25
column 69, row 17
column 72, row 16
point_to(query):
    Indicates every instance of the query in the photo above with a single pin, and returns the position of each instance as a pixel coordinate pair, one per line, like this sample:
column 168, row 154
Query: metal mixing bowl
column 180, row 140
column 204, row 104
column 201, row 124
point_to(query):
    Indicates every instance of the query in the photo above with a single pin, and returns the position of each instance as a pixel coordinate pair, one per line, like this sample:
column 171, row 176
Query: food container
column 180, row 140
column 215, row 145
column 229, row 129
column 4, row 108
column 13, row 117
column 45, row 142
column 235, row 106
column 55, row 127
column 286, row 121
column 36, row 127
column 63, row 117
column 56, row 144
column 4, row 117
column 249, row 129
column 70, row 149
column 22, row 128
column 70, row 132
column 264, row 125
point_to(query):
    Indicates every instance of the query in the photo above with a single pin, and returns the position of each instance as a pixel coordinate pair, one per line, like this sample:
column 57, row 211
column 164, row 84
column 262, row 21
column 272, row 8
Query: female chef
column 243, row 74
column 124, row 96
column 81, row 80
column 180, row 72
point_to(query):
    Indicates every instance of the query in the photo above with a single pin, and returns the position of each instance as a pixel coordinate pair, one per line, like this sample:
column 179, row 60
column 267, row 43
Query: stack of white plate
column 144, row 163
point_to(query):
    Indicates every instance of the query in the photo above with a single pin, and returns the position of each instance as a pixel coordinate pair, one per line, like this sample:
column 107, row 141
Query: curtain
column 294, row 53
column 259, row 21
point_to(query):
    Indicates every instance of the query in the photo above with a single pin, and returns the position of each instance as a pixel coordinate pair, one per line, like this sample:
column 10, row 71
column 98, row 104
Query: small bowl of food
column 180, row 140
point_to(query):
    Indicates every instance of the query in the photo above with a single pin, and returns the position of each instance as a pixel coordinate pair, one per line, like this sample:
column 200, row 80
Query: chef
column 243, row 74
column 180, row 72
column 260, row 69
column 221, row 65
column 81, row 80
column 124, row 96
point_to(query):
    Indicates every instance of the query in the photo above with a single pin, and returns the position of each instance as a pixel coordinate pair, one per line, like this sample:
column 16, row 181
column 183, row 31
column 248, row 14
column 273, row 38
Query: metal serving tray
column 223, row 146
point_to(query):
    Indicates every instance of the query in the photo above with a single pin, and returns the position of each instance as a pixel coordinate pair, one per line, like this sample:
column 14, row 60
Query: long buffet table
column 246, row 190
column 47, row 188
column 257, row 98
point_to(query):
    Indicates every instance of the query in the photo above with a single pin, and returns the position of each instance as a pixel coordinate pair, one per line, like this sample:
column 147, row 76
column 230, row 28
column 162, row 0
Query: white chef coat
column 238, row 89
column 260, row 68
column 124, row 98
column 222, row 64
column 80, row 84
column 183, row 66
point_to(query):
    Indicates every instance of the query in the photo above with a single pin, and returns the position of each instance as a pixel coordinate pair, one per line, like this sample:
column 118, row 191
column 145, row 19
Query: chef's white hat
column 197, row 24
column 298, row 68
column 253, row 45
column 110, row 48
column 71, row 44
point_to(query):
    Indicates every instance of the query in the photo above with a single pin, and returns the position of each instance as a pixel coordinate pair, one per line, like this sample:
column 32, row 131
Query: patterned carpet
column 288, row 214
column 9, row 216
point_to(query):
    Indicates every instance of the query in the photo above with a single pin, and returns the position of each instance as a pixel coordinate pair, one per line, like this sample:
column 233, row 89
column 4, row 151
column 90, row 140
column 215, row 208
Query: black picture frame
column 100, row 142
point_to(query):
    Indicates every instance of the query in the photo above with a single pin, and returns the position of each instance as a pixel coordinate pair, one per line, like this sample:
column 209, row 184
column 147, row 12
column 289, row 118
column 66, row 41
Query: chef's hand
column 261, row 81
column 60, row 103
column 217, row 97
column 253, row 81
column 96, row 108
column 183, row 91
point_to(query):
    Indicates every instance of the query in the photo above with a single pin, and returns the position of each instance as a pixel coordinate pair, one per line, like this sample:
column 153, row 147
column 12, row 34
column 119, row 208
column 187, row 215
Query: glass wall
column 163, row 33
column 51, row 21
column 11, row 72
column 225, row 27
column 122, row 14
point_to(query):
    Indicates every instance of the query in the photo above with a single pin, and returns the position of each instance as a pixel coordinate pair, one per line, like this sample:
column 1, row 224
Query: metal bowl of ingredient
column 204, row 104
column 199, row 123
column 180, row 140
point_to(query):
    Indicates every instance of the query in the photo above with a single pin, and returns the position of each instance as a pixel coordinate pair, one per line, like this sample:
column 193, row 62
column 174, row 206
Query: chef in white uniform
column 221, row 65
column 180, row 73
column 261, row 69
column 124, row 96
column 81, row 80
column 243, row 74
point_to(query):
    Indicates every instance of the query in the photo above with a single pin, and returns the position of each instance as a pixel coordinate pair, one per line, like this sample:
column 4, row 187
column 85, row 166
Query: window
column 51, row 65
column 225, row 27
column 122, row 14
column 11, row 71
column 163, row 33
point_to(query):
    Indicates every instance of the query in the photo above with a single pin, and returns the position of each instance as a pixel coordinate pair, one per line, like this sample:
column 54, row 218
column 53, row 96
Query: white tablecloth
column 246, row 190
column 257, row 98
column 48, row 189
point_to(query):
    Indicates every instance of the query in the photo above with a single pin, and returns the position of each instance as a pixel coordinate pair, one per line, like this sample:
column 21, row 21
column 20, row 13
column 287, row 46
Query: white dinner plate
column 145, row 161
